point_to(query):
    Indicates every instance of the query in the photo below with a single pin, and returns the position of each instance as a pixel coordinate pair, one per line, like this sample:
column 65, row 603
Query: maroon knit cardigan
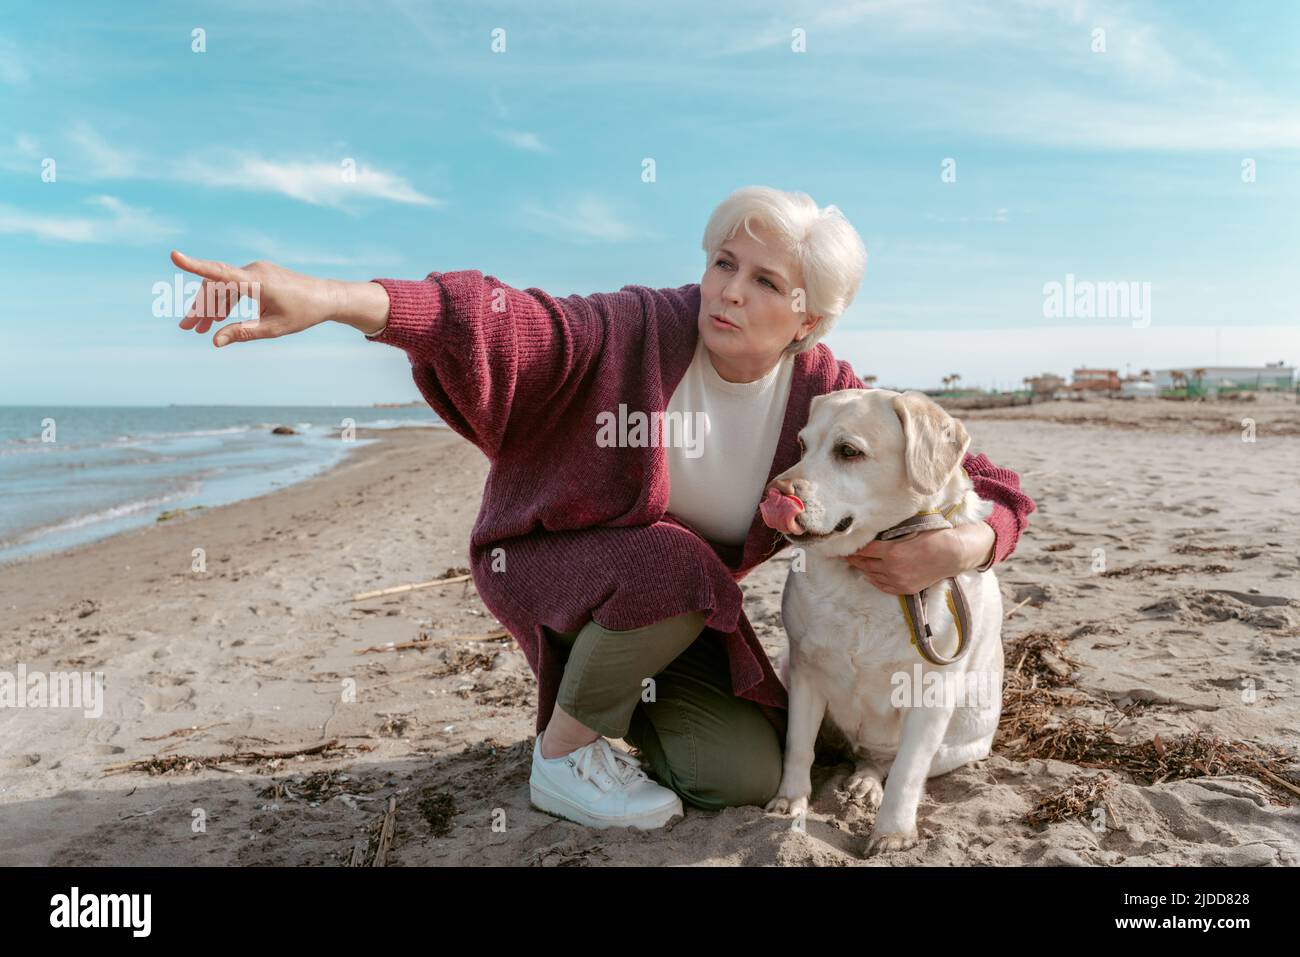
column 568, row 530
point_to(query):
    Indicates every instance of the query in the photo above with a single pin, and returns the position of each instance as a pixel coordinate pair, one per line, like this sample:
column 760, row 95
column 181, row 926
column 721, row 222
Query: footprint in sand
column 176, row 698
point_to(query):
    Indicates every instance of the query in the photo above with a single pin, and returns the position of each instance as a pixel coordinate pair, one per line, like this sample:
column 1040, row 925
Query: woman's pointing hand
column 288, row 302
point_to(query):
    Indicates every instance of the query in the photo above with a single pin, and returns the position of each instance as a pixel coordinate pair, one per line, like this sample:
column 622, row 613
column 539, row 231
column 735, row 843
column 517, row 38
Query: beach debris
column 373, row 851
column 450, row 577
column 510, row 690
column 460, row 661
column 168, row 514
column 419, row 644
column 1232, row 551
column 438, row 809
column 394, row 726
column 386, row 831
column 1030, row 726
column 184, row 762
column 1019, row 605
column 1073, row 801
column 1145, row 571
column 318, row 787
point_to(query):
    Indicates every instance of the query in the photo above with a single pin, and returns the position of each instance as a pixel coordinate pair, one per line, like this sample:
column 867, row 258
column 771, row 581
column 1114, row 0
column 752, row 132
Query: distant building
column 1095, row 381
column 1212, row 379
column 1046, row 385
column 1136, row 388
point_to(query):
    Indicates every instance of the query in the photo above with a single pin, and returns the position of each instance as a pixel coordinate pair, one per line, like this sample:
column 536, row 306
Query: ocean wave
column 28, row 446
column 101, row 515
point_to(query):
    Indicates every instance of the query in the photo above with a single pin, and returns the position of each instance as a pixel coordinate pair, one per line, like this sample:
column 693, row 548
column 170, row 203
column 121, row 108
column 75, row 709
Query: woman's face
column 752, row 285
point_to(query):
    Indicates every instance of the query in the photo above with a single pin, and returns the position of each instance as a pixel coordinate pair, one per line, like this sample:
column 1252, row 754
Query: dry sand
column 256, row 653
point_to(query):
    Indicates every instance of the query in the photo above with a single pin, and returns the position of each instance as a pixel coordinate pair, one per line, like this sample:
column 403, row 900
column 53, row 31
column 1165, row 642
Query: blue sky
column 1122, row 165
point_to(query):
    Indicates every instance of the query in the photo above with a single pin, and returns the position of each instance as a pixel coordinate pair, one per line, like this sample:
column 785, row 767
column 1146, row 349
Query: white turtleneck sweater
column 715, row 487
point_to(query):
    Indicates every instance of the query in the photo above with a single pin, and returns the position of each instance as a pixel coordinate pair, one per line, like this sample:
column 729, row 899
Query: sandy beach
column 1189, row 625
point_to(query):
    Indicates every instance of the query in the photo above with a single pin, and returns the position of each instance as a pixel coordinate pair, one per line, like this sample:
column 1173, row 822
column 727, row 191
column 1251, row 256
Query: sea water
column 113, row 468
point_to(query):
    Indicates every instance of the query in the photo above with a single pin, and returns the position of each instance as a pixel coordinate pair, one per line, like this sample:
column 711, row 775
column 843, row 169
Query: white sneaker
column 600, row 786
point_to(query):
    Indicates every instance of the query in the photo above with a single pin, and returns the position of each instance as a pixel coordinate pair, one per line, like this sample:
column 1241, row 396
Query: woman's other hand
column 906, row 565
column 289, row 302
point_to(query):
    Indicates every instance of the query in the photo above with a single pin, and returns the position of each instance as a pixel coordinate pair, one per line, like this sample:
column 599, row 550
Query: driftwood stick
column 358, row 858
column 1283, row 782
column 1016, row 609
column 397, row 589
column 422, row 643
column 386, row 831
column 239, row 757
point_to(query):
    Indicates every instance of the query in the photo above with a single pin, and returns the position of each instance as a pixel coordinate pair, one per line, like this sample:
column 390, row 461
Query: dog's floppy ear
column 936, row 442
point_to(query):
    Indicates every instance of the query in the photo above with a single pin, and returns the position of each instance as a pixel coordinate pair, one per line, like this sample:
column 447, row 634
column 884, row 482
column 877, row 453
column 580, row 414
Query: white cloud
column 524, row 141
column 124, row 224
column 319, row 182
column 88, row 157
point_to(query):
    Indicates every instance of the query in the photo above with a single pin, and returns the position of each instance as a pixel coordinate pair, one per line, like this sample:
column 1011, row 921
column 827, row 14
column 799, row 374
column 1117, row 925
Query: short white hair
column 826, row 246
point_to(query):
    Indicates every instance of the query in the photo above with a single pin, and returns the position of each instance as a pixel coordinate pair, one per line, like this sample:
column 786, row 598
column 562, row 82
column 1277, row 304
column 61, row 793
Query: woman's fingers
column 223, row 285
column 242, row 332
column 208, row 268
column 212, row 304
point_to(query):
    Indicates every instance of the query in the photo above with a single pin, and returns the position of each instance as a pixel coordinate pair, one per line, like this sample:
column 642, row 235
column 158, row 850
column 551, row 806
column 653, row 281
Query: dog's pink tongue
column 779, row 511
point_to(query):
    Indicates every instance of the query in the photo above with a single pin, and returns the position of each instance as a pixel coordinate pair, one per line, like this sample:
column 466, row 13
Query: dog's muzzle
column 781, row 512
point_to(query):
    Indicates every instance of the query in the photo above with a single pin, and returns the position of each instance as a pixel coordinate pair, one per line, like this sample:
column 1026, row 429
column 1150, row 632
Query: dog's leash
column 913, row 606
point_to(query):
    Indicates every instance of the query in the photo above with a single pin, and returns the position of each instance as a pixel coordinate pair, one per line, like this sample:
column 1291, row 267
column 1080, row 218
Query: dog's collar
column 931, row 519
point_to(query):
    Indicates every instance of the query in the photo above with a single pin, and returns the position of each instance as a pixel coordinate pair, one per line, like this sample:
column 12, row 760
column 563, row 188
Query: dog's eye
column 849, row 452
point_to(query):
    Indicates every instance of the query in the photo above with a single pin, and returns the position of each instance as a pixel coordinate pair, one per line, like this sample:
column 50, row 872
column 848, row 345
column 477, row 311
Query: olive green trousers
column 666, row 690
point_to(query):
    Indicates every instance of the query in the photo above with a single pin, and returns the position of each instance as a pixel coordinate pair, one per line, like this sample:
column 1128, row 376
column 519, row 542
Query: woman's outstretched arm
column 488, row 358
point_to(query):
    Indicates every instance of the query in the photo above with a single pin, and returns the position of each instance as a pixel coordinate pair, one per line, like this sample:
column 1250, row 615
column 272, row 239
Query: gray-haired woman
column 615, row 564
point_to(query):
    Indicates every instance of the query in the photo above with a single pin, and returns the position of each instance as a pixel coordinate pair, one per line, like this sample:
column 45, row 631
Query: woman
column 610, row 550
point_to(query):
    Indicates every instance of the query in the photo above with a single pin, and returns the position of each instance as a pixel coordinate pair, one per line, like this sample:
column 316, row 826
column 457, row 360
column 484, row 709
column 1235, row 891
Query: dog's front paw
column 793, row 805
column 882, row 843
column 864, row 788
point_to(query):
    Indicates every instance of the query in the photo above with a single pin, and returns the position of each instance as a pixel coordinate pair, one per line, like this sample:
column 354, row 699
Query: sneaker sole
column 544, row 800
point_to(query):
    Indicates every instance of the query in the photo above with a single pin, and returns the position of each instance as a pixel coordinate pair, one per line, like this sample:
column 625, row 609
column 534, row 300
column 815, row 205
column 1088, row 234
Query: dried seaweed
column 1072, row 801
column 1145, row 571
column 1042, row 680
column 159, row 764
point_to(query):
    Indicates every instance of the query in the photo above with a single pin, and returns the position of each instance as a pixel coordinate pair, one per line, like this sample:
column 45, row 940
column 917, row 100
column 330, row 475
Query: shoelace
column 619, row 765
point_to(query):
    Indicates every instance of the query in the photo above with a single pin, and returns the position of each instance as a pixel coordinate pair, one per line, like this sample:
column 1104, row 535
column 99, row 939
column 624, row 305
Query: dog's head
column 871, row 458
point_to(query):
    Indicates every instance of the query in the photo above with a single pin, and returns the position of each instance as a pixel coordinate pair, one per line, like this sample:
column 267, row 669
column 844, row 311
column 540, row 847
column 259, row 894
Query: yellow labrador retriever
column 913, row 684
